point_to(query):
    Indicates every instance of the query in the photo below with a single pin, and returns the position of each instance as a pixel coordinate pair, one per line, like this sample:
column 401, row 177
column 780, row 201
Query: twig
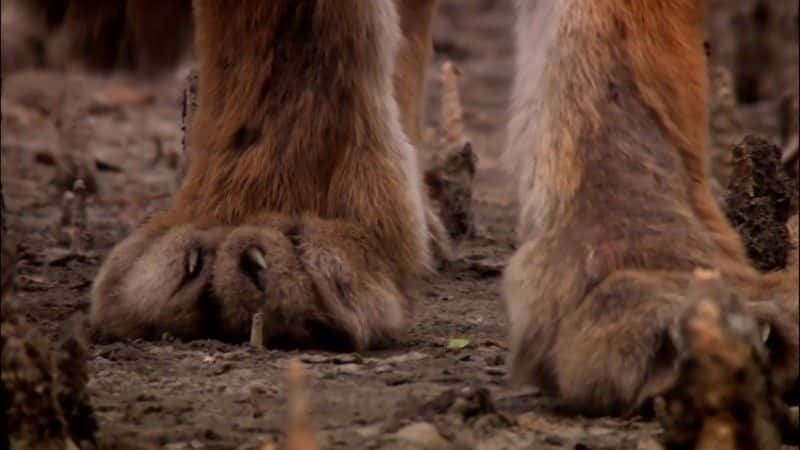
column 80, row 238
column 73, row 157
column 257, row 331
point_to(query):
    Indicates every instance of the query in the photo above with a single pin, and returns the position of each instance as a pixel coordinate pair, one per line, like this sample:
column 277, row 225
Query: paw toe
column 149, row 285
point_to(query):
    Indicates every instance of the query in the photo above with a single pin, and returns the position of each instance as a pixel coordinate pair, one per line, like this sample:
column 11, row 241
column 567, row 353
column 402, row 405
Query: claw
column 256, row 256
column 765, row 330
column 193, row 262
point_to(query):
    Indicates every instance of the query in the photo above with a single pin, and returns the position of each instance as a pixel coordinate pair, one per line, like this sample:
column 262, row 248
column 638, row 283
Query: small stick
column 67, row 205
column 257, row 331
column 79, row 218
column 80, row 239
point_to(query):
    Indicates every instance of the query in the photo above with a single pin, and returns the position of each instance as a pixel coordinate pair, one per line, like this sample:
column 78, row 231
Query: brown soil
column 210, row 395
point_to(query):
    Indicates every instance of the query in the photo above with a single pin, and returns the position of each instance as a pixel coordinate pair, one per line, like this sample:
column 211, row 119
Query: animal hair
column 609, row 132
column 302, row 168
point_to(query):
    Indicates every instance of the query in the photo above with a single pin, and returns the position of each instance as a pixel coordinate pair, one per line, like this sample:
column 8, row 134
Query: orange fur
column 670, row 73
column 416, row 49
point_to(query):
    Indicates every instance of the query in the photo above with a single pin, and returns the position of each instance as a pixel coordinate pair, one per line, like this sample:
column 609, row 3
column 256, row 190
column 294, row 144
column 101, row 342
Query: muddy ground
column 210, row 395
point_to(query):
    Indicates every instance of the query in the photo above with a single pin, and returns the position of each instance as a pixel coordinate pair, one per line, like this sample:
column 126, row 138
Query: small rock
column 177, row 446
column 494, row 343
column 495, row 371
column 369, row 431
column 193, row 444
column 383, row 368
column 648, row 444
column 349, row 368
column 760, row 199
column 407, row 357
column 350, row 358
column 421, row 435
column 486, row 268
column 599, row 431
column 219, row 369
column 494, row 360
column 314, row 359
column 398, row 379
column 473, row 401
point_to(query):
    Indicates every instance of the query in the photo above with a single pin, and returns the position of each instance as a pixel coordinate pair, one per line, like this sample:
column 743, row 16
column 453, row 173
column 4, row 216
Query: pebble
column 349, row 368
column 350, row 358
column 495, row 371
column 314, row 359
column 422, row 435
column 407, row 357
column 398, row 379
column 494, row 360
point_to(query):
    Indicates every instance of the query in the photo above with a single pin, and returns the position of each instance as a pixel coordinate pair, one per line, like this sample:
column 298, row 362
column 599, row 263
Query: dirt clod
column 72, row 376
column 760, row 200
column 73, row 158
column 418, row 435
column 48, row 404
column 449, row 183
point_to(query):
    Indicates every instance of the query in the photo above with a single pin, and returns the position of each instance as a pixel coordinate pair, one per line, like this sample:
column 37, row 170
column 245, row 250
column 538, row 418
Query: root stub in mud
column 760, row 200
column 450, row 177
column 46, row 403
column 449, row 183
